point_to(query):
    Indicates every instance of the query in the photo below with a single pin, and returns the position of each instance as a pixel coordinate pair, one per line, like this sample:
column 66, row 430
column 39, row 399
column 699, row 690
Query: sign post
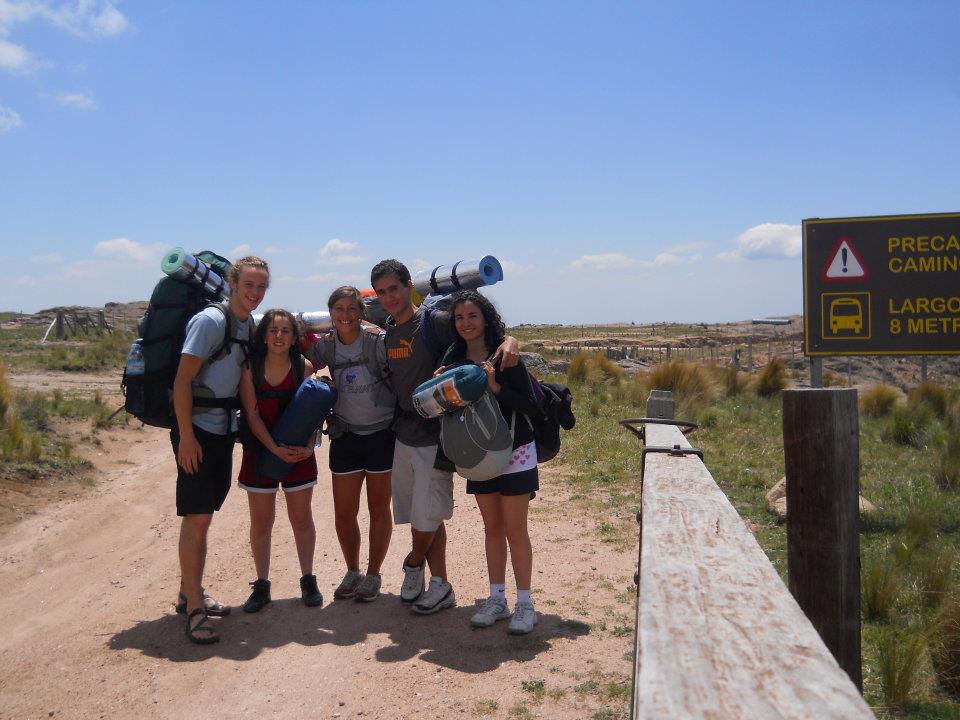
column 887, row 285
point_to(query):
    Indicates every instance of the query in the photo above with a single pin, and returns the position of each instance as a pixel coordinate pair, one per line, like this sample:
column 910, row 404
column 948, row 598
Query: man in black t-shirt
column 422, row 482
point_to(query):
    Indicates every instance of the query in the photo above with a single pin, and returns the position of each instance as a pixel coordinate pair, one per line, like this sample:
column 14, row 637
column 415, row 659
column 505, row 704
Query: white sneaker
column 493, row 609
column 523, row 620
column 439, row 595
column 412, row 587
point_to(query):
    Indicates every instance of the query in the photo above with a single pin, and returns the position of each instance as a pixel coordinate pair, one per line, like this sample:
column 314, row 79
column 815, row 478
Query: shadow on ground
column 444, row 639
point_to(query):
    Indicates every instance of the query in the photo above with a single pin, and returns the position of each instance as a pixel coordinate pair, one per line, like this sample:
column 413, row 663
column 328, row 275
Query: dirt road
column 89, row 629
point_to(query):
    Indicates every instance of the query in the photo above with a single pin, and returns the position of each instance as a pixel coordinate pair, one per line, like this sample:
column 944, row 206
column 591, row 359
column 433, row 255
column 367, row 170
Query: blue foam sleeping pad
column 309, row 406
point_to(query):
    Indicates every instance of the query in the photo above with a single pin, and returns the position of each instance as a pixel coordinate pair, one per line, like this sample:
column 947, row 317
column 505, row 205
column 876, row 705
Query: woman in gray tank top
column 361, row 438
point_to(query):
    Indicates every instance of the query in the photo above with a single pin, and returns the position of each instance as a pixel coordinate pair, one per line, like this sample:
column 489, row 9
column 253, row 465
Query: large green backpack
column 149, row 397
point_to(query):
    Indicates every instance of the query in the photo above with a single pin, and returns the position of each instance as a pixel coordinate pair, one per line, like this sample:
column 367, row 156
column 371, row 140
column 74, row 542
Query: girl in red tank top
column 275, row 347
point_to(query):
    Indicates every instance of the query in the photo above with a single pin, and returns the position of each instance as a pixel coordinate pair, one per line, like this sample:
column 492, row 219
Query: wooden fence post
column 821, row 455
column 816, row 372
column 660, row 404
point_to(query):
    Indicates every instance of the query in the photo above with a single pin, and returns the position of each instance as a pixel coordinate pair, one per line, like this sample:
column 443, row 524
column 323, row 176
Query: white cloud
column 241, row 251
column 686, row 247
column 126, row 249
column 767, row 241
column 419, row 265
column 273, row 250
column 50, row 259
column 509, row 266
column 80, row 101
column 15, row 58
column 338, row 252
column 9, row 119
column 618, row 261
column 87, row 19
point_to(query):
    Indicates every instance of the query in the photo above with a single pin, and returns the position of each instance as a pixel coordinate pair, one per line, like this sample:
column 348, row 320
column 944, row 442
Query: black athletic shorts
column 521, row 483
column 371, row 453
column 204, row 492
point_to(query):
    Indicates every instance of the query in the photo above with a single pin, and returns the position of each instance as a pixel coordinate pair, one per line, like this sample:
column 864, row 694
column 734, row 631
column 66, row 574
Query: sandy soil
column 90, row 578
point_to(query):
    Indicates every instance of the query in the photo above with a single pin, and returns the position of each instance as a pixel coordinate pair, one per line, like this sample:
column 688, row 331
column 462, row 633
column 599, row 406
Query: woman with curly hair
column 267, row 385
column 504, row 500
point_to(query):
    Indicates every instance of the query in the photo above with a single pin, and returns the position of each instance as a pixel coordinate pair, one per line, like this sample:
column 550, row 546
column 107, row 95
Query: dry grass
column 689, row 382
column 945, row 649
column 879, row 400
column 772, row 378
column 900, row 664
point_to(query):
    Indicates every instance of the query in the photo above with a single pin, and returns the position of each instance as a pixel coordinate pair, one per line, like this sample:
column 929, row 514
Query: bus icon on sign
column 845, row 315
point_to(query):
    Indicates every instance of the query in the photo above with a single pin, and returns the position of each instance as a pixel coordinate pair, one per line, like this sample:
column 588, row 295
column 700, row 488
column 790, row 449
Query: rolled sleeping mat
column 310, row 405
column 462, row 275
column 450, row 390
column 181, row 265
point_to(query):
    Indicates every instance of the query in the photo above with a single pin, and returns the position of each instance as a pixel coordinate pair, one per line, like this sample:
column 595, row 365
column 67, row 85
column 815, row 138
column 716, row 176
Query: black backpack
column 149, row 397
column 257, row 362
column 556, row 411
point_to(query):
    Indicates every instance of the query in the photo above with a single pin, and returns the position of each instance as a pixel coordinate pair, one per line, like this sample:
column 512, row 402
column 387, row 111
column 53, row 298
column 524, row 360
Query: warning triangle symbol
column 845, row 263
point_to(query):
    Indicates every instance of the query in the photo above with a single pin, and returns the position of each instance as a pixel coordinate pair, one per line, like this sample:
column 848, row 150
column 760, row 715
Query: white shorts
column 422, row 495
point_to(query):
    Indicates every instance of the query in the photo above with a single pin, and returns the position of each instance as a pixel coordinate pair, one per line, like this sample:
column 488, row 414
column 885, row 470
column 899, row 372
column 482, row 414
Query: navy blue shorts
column 371, row 453
column 521, row 483
column 203, row 492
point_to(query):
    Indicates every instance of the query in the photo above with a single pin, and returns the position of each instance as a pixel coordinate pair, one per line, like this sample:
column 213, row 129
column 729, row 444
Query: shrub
column 879, row 400
column 880, row 586
column 945, row 649
column 900, row 661
column 577, row 372
column 772, row 378
column 934, row 572
column 734, row 381
column 687, row 381
column 911, row 425
column 605, row 369
column 947, row 473
column 4, row 393
column 933, row 394
column 923, row 514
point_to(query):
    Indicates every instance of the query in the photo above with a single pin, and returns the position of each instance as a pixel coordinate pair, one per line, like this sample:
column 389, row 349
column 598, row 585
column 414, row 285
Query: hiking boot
column 369, row 589
column 412, row 587
column 439, row 595
column 310, row 592
column 348, row 586
column 259, row 597
column 523, row 620
column 493, row 609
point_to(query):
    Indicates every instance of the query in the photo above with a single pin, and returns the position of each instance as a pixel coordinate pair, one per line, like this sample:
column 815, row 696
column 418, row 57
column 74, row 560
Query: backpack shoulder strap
column 429, row 333
column 329, row 340
column 224, row 348
column 299, row 369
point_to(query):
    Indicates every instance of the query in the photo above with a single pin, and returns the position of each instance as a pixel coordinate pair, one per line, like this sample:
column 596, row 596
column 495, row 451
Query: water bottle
column 135, row 362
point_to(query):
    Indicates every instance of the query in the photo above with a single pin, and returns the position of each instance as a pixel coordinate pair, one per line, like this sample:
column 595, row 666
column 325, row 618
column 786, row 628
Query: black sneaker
column 259, row 597
column 310, row 592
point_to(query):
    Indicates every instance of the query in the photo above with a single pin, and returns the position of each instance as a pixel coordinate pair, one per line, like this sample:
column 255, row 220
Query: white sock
column 523, row 596
column 498, row 591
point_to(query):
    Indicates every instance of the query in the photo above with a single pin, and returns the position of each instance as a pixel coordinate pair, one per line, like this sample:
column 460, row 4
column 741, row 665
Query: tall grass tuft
column 922, row 518
column 911, row 424
column 945, row 648
column 5, row 398
column 900, row 664
column 577, row 372
column 880, row 587
column 688, row 381
column 934, row 571
column 932, row 394
column 733, row 381
column 605, row 369
column 947, row 472
column 879, row 400
column 772, row 378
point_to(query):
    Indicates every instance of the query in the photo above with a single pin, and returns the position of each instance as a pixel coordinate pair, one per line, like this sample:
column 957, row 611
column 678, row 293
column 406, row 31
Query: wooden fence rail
column 718, row 633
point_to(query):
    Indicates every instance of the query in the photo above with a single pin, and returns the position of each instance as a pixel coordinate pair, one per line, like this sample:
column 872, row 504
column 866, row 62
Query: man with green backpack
column 211, row 361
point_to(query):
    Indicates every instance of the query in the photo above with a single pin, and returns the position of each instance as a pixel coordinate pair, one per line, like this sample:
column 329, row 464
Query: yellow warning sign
column 845, row 316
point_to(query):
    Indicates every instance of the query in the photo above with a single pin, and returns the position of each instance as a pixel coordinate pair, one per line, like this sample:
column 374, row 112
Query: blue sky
column 624, row 161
